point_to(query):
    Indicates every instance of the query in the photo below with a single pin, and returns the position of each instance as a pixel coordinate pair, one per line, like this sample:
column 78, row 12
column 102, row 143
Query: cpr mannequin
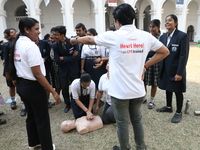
column 82, row 125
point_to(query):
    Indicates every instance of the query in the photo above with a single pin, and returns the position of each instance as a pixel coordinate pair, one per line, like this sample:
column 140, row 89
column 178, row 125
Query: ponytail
column 12, row 70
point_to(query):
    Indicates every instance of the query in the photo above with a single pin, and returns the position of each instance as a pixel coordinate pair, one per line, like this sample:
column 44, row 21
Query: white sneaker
column 54, row 147
column 37, row 146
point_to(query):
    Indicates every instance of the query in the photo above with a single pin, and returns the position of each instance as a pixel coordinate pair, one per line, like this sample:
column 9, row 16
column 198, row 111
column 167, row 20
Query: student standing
column 9, row 35
column 173, row 67
column 27, row 67
column 128, row 50
column 88, row 56
column 151, row 76
column 67, row 57
column 55, row 81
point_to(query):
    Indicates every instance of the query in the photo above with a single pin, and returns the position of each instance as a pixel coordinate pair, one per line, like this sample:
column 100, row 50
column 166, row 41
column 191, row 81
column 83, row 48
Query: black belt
column 93, row 57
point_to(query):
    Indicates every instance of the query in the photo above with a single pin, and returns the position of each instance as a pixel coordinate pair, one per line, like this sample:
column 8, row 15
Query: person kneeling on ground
column 83, row 94
column 108, row 115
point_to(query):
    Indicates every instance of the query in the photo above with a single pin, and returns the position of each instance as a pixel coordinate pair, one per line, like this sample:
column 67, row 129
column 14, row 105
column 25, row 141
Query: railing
column 18, row 18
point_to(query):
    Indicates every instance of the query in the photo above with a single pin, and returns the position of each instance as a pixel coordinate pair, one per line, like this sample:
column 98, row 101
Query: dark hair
column 52, row 29
column 60, row 29
column 7, row 31
column 112, row 28
column 124, row 14
column 93, row 31
column 80, row 25
column 28, row 23
column 46, row 37
column 174, row 17
column 156, row 22
column 85, row 77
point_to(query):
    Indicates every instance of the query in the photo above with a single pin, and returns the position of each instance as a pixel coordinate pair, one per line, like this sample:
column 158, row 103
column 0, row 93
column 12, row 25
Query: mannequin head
column 67, row 125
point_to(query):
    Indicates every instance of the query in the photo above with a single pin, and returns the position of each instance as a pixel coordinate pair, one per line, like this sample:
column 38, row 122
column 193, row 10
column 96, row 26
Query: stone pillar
column 141, row 21
column 197, row 36
column 34, row 12
column 68, row 19
column 182, row 16
column 156, row 13
column 3, row 23
column 100, row 17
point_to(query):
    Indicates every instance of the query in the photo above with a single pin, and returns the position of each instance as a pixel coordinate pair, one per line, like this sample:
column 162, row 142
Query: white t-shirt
column 76, row 89
column 93, row 50
column 128, row 50
column 27, row 55
column 103, row 86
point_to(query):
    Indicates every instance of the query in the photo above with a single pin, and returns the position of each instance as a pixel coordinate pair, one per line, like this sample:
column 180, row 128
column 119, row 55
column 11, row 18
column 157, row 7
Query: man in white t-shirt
column 128, row 50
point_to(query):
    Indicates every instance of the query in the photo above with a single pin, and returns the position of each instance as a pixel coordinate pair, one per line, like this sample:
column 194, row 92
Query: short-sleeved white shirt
column 103, row 86
column 76, row 89
column 92, row 50
column 128, row 48
column 27, row 55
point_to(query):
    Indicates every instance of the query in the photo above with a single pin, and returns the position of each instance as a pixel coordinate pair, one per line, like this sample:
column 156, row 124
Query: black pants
column 37, row 122
column 108, row 115
column 65, row 83
column 77, row 111
column 179, row 100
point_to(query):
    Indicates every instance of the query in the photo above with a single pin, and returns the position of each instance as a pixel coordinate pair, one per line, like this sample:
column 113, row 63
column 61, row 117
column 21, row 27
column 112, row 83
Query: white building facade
column 97, row 14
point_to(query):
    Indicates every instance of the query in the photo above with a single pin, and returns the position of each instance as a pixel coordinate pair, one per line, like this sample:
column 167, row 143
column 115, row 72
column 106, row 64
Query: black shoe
column 67, row 108
column 2, row 121
column 1, row 113
column 164, row 109
column 144, row 101
column 177, row 118
column 23, row 112
column 13, row 105
column 116, row 147
column 49, row 105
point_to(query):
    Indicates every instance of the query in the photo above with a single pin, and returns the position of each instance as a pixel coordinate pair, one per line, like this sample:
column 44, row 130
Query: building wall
column 97, row 14
column 50, row 16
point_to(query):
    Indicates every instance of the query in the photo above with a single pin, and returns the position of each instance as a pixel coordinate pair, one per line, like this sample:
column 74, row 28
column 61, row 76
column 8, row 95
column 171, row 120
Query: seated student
column 83, row 94
column 107, row 116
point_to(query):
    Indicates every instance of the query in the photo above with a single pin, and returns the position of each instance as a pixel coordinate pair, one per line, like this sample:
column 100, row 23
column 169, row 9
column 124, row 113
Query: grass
column 160, row 133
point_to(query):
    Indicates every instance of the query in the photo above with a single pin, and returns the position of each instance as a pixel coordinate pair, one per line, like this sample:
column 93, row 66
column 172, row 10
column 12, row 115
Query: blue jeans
column 122, row 110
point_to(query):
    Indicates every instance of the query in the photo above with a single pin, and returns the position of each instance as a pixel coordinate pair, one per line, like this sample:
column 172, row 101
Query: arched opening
column 21, row 11
column 147, row 18
column 15, row 10
column 108, row 15
column 84, row 13
column 49, row 18
column 136, row 18
column 190, row 32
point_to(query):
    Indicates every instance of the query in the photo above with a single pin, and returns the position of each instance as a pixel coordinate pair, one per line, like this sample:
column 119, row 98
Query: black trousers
column 65, row 83
column 77, row 111
column 108, row 115
column 37, row 122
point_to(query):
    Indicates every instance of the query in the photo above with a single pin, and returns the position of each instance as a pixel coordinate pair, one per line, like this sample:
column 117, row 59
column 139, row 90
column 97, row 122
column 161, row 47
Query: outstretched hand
column 73, row 41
